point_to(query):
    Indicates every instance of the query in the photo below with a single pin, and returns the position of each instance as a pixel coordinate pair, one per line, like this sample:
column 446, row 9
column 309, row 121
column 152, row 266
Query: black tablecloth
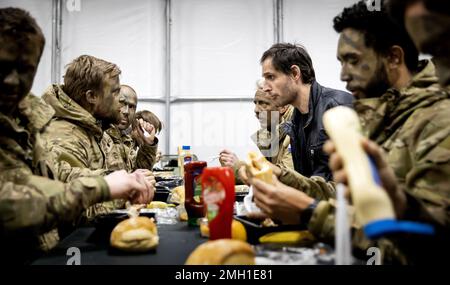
column 176, row 242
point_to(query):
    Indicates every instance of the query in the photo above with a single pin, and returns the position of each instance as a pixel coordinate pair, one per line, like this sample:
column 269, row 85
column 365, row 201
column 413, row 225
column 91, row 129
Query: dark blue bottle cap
column 380, row 228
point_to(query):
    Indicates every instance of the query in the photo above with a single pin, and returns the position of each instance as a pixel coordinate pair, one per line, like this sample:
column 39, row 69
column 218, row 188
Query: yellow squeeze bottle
column 184, row 156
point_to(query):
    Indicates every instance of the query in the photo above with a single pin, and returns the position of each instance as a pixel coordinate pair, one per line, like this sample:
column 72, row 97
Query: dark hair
column 285, row 55
column 396, row 8
column 19, row 25
column 379, row 30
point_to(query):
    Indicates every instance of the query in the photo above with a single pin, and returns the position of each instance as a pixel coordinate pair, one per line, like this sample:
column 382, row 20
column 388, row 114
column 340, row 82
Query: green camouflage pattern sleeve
column 72, row 153
column 322, row 226
column 315, row 186
column 118, row 155
column 427, row 182
column 40, row 204
column 146, row 156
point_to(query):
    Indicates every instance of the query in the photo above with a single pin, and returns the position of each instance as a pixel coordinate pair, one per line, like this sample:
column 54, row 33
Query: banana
column 291, row 237
column 159, row 205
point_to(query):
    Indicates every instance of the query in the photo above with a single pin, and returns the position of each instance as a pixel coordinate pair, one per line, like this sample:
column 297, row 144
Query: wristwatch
column 306, row 214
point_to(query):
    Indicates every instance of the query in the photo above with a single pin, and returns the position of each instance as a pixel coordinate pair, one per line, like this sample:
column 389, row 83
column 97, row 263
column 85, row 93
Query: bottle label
column 214, row 195
column 197, row 186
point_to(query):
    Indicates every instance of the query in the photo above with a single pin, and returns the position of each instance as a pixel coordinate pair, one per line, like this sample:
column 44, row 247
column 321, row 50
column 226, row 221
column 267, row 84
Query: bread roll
column 135, row 234
column 222, row 252
column 258, row 167
column 177, row 195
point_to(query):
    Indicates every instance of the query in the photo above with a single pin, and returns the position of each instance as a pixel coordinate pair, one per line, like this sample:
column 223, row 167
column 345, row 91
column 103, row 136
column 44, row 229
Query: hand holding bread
column 258, row 167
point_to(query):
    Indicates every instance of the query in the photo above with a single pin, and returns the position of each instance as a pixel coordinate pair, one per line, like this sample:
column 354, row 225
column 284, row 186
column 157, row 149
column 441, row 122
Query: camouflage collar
column 34, row 112
column 380, row 117
column 114, row 133
column 67, row 109
column 118, row 136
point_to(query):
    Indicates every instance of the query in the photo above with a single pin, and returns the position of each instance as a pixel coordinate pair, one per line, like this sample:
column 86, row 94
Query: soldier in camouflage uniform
column 410, row 121
column 412, row 126
column 84, row 106
column 264, row 105
column 428, row 24
column 120, row 148
column 32, row 204
column 263, row 137
column 282, row 164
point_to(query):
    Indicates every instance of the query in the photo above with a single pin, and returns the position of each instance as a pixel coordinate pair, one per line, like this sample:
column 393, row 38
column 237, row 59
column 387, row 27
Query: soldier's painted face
column 127, row 100
column 18, row 66
column 430, row 32
column 107, row 105
column 280, row 86
column 361, row 67
column 264, row 105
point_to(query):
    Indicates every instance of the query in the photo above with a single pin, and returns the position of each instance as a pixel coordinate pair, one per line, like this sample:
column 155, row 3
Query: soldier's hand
column 149, row 136
column 146, row 178
column 242, row 174
column 123, row 185
column 228, row 158
column 280, row 202
column 386, row 173
column 256, row 215
column 275, row 169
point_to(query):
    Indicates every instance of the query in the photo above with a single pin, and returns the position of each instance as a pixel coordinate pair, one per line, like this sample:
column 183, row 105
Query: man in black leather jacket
column 290, row 79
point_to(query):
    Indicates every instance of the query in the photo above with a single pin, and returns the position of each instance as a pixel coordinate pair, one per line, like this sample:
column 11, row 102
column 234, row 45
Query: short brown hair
column 150, row 118
column 85, row 73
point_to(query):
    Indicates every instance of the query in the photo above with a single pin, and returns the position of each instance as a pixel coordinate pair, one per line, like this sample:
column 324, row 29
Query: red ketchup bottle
column 193, row 202
column 218, row 196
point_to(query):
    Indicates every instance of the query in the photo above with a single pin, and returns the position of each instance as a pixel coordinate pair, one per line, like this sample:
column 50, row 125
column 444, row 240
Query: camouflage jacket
column 31, row 205
column 122, row 153
column 413, row 127
column 314, row 186
column 263, row 140
column 73, row 139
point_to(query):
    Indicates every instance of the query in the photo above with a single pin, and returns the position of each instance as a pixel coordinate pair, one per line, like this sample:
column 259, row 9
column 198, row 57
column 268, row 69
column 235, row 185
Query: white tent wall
column 42, row 11
column 214, row 49
column 216, row 46
column 310, row 23
column 128, row 33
